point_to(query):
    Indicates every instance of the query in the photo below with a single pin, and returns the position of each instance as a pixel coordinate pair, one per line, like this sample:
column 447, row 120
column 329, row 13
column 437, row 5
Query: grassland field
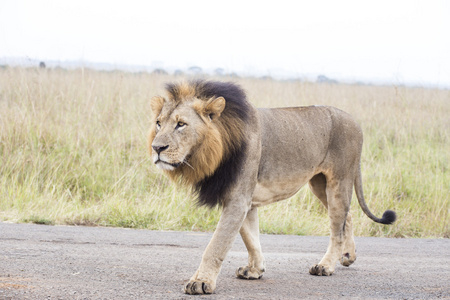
column 73, row 150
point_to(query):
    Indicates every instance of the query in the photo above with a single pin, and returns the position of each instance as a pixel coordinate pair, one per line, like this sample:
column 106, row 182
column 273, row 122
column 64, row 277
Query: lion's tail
column 388, row 217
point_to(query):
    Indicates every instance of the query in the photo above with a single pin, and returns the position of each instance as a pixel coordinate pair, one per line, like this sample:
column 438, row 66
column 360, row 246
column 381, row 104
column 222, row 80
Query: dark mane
column 211, row 190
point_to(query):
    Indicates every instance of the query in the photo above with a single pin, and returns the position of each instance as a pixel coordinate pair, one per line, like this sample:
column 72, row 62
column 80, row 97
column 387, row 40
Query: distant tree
column 42, row 65
column 325, row 79
column 178, row 72
column 195, row 70
column 266, row 77
column 160, row 72
column 219, row 71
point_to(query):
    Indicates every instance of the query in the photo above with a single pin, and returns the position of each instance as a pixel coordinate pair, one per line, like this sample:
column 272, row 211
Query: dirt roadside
column 62, row 262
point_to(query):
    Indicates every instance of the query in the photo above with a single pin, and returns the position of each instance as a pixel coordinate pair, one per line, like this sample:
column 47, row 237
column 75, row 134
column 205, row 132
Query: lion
column 207, row 135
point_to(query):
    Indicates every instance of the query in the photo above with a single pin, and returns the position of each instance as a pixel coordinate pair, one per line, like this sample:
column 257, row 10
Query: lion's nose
column 158, row 149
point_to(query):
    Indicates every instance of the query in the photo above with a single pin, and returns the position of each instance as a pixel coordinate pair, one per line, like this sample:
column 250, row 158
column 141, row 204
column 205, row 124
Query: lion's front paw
column 320, row 270
column 347, row 259
column 249, row 273
column 197, row 287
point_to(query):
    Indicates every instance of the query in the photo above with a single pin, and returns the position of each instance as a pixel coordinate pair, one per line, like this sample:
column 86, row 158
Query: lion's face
column 184, row 135
column 177, row 131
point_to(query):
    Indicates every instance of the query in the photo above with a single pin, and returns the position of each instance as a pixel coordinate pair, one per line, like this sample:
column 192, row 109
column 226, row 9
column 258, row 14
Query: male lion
column 207, row 135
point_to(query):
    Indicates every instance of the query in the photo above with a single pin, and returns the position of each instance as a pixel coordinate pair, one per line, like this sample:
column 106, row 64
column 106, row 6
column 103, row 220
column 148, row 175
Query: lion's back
column 300, row 140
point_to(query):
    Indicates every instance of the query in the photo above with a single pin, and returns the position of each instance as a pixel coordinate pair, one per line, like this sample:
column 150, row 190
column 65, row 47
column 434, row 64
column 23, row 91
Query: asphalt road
column 62, row 262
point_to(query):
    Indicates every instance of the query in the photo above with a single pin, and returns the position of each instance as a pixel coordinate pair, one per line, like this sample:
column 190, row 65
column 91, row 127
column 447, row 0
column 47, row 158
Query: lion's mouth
column 166, row 165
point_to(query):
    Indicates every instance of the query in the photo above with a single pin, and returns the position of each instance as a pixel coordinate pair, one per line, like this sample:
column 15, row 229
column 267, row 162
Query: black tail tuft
column 389, row 217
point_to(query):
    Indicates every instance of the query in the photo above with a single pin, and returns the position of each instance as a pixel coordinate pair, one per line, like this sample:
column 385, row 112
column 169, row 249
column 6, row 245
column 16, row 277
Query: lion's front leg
column 250, row 235
column 204, row 280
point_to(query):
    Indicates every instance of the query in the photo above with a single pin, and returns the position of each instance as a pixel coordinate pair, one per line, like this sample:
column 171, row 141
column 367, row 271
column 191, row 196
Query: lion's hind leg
column 318, row 185
column 250, row 235
column 349, row 252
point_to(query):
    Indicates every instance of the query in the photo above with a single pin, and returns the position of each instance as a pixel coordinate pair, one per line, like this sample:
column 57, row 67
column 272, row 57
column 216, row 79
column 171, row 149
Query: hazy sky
column 382, row 41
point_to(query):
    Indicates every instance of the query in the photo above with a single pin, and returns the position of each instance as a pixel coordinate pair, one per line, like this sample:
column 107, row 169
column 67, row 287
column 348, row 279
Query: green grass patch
column 38, row 220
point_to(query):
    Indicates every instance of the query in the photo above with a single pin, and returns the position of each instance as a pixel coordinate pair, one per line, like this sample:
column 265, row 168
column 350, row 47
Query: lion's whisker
column 188, row 164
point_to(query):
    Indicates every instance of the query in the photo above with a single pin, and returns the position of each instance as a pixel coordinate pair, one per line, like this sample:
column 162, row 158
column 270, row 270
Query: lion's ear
column 214, row 107
column 156, row 104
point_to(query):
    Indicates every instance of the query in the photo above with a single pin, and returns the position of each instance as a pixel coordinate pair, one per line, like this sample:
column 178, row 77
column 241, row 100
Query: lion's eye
column 158, row 125
column 180, row 125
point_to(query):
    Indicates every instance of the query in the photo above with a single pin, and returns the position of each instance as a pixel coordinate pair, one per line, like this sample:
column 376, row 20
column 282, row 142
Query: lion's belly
column 270, row 192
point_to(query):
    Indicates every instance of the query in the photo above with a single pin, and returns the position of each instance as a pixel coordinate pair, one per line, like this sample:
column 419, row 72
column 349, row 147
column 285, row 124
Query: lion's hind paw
column 347, row 259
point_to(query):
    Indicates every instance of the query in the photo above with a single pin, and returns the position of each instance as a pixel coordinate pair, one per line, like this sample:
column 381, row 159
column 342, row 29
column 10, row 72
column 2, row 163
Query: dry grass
column 73, row 150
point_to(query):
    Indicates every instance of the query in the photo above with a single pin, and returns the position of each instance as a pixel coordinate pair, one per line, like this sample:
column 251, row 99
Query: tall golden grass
column 73, row 150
